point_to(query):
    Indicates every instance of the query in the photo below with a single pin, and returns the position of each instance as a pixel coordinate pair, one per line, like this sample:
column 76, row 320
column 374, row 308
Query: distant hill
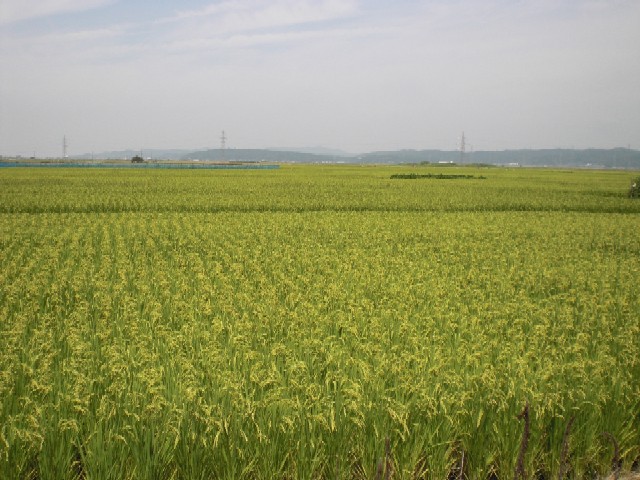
column 261, row 155
column 595, row 158
column 332, row 152
column 613, row 158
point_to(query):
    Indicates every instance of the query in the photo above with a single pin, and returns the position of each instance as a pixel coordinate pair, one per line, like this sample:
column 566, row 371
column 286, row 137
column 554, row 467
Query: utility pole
column 223, row 144
column 463, row 147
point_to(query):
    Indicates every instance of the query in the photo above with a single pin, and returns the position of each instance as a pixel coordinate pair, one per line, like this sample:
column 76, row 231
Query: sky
column 353, row 75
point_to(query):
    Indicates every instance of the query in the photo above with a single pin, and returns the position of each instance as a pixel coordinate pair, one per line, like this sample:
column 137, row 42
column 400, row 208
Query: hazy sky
column 348, row 74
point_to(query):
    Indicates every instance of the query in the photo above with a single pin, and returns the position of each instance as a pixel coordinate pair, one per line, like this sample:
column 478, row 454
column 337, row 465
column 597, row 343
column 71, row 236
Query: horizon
column 343, row 74
column 127, row 152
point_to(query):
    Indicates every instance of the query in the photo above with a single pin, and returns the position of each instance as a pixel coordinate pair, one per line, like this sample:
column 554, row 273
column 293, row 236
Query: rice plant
column 318, row 322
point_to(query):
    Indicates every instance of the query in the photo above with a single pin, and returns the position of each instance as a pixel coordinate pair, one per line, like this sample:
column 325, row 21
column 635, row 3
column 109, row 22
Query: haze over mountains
column 604, row 158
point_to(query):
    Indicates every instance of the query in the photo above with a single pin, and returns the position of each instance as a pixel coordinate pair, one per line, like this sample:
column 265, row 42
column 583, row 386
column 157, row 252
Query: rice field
column 318, row 322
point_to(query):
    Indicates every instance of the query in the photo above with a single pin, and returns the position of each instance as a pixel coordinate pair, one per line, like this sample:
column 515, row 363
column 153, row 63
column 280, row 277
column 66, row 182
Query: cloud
column 17, row 10
column 242, row 24
column 223, row 26
column 60, row 46
column 246, row 15
column 261, row 39
column 261, row 13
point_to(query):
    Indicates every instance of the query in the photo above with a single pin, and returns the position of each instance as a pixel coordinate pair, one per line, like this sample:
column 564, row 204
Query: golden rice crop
column 180, row 324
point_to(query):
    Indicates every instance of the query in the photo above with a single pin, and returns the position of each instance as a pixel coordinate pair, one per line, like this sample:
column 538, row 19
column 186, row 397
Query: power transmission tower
column 223, row 144
column 65, row 144
column 463, row 147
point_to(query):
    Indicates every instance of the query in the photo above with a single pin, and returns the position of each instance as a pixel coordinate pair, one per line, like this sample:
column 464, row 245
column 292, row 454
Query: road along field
column 286, row 323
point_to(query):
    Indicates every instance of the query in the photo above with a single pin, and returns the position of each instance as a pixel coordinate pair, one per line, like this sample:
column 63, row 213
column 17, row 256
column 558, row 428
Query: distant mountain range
column 606, row 158
column 332, row 152
column 596, row 158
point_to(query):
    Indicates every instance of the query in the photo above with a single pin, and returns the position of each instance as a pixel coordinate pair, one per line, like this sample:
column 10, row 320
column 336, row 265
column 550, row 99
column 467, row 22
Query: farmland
column 285, row 323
